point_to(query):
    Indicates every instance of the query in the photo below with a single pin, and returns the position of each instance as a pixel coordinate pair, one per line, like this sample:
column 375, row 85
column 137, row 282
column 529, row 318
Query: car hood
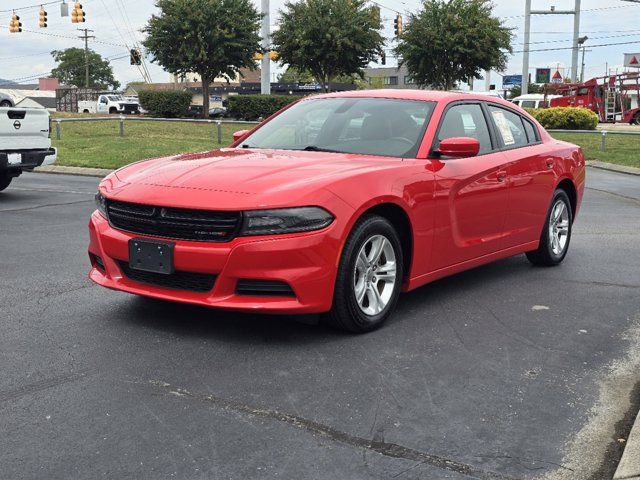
column 239, row 178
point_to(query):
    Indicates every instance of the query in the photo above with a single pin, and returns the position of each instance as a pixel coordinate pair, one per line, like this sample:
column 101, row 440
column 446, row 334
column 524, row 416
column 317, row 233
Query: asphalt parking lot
column 504, row 372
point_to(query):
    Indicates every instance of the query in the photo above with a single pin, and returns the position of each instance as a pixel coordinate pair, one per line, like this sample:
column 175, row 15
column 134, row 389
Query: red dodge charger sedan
column 338, row 203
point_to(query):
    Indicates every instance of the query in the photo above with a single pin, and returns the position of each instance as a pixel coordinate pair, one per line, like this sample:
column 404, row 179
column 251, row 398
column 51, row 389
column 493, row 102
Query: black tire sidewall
column 5, row 180
column 365, row 229
column 556, row 259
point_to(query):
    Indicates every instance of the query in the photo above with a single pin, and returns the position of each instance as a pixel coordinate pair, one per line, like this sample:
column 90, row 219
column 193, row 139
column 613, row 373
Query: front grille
column 194, row 282
column 272, row 288
column 178, row 223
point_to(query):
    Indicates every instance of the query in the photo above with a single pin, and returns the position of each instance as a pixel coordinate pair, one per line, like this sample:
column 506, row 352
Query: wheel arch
column 397, row 215
column 570, row 189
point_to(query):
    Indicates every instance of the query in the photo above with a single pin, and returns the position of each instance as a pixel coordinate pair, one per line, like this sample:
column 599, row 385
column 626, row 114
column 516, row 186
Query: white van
column 533, row 100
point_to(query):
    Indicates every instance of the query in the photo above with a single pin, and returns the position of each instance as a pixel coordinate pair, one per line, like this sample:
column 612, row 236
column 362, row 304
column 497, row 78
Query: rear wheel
column 556, row 234
column 5, row 103
column 5, row 180
column 369, row 276
column 636, row 119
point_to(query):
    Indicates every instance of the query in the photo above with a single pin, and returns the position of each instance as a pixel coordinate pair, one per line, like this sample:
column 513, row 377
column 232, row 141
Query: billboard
column 509, row 81
column 543, row 75
column 632, row 60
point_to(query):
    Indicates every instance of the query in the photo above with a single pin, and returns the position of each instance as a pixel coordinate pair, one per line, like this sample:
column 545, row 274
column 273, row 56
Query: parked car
column 6, row 100
column 111, row 104
column 25, row 142
column 195, row 111
column 395, row 189
column 216, row 112
column 533, row 100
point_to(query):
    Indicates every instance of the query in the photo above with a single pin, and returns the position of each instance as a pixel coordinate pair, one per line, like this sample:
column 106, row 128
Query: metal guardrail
column 603, row 134
column 121, row 119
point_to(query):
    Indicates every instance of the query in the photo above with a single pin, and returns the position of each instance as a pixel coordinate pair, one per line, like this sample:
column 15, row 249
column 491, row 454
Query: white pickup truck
column 109, row 103
column 25, row 142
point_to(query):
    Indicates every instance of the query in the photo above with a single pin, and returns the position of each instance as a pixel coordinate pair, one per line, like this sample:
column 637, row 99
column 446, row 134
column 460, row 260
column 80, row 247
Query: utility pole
column 265, row 67
column 527, row 39
column 86, row 38
column 581, row 42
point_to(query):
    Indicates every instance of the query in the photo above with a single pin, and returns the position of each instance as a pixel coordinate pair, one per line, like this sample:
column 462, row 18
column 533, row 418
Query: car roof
column 410, row 94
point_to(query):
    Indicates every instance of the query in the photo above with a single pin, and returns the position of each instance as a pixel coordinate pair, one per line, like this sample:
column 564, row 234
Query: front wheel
column 556, row 234
column 5, row 103
column 369, row 276
column 5, row 180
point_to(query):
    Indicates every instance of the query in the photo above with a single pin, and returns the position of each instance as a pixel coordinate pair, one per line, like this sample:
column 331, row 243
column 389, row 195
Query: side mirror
column 239, row 134
column 459, row 147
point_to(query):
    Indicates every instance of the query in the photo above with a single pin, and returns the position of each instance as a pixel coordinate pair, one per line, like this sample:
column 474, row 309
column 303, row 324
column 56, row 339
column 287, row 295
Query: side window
column 510, row 127
column 466, row 121
column 532, row 133
column 528, row 104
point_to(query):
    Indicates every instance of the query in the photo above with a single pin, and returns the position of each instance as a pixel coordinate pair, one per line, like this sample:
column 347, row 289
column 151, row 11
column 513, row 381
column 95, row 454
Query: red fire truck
column 614, row 98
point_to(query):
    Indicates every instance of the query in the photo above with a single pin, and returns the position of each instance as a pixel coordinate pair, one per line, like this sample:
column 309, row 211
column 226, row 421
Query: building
column 245, row 75
column 389, row 77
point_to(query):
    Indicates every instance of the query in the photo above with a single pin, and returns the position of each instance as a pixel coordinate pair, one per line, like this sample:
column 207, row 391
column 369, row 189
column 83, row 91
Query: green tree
column 72, row 64
column 213, row 38
column 328, row 38
column 292, row 75
column 450, row 41
column 533, row 88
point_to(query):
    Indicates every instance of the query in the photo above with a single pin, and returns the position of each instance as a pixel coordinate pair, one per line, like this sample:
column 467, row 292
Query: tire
column 556, row 233
column 636, row 119
column 354, row 276
column 6, row 103
column 113, row 110
column 5, row 180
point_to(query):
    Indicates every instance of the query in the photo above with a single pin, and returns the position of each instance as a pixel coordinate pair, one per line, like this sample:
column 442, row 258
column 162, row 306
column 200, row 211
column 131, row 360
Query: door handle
column 501, row 176
column 550, row 163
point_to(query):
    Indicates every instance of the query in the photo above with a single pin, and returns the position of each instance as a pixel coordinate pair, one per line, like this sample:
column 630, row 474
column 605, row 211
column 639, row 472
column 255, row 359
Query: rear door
column 530, row 175
column 471, row 193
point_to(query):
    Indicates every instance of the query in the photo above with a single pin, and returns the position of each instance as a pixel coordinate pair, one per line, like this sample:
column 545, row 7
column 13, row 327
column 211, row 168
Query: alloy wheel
column 559, row 227
column 374, row 275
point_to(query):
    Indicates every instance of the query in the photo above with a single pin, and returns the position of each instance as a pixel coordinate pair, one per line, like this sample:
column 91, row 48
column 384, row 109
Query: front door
column 471, row 193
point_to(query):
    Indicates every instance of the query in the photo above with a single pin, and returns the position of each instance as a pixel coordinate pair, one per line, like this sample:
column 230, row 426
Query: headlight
column 285, row 220
column 101, row 204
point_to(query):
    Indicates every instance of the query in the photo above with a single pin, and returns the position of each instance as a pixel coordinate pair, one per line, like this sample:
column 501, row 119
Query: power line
column 65, row 36
column 38, row 5
column 571, row 48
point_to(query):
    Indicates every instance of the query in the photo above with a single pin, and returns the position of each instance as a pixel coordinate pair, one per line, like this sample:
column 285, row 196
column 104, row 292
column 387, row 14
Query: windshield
column 372, row 126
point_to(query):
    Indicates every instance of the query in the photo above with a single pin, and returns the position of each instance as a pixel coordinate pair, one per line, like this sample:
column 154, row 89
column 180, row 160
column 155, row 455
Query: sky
column 117, row 25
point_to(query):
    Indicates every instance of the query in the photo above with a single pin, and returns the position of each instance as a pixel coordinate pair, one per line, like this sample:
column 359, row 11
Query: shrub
column 566, row 118
column 165, row 103
column 252, row 107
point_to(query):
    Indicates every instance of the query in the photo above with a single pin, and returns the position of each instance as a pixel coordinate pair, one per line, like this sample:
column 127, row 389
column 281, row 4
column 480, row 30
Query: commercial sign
column 543, row 75
column 557, row 77
column 632, row 60
column 509, row 81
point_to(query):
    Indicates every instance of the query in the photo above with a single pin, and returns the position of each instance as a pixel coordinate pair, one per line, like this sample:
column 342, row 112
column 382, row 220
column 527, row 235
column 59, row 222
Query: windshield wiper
column 315, row 148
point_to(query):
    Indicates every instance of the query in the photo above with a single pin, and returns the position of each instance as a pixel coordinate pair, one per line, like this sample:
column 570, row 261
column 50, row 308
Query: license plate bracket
column 151, row 256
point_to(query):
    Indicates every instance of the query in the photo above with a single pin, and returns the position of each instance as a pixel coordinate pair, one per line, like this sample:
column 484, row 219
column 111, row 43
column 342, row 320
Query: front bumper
column 306, row 262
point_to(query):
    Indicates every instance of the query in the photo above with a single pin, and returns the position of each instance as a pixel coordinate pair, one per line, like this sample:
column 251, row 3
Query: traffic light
column 78, row 15
column 397, row 25
column 43, row 18
column 15, row 26
column 383, row 58
column 136, row 58
column 273, row 55
column 257, row 56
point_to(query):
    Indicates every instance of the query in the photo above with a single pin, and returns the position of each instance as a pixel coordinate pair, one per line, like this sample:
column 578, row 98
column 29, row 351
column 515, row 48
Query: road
column 506, row 371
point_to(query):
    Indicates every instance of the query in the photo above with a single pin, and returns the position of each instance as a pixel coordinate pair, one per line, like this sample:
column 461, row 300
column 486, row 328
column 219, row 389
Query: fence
column 603, row 135
column 122, row 119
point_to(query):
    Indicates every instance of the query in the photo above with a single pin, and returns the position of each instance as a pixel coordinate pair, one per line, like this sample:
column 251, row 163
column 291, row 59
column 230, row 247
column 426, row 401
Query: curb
column 82, row 171
column 629, row 466
column 613, row 168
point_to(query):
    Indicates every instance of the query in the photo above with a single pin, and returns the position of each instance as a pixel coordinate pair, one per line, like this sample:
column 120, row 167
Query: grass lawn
column 99, row 145
column 621, row 149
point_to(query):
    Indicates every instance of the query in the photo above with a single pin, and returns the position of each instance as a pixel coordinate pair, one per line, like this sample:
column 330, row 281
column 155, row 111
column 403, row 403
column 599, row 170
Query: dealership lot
column 494, row 373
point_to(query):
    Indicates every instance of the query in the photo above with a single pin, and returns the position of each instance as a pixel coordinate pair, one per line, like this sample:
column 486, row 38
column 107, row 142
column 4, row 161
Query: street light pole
column 265, row 66
column 527, row 43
